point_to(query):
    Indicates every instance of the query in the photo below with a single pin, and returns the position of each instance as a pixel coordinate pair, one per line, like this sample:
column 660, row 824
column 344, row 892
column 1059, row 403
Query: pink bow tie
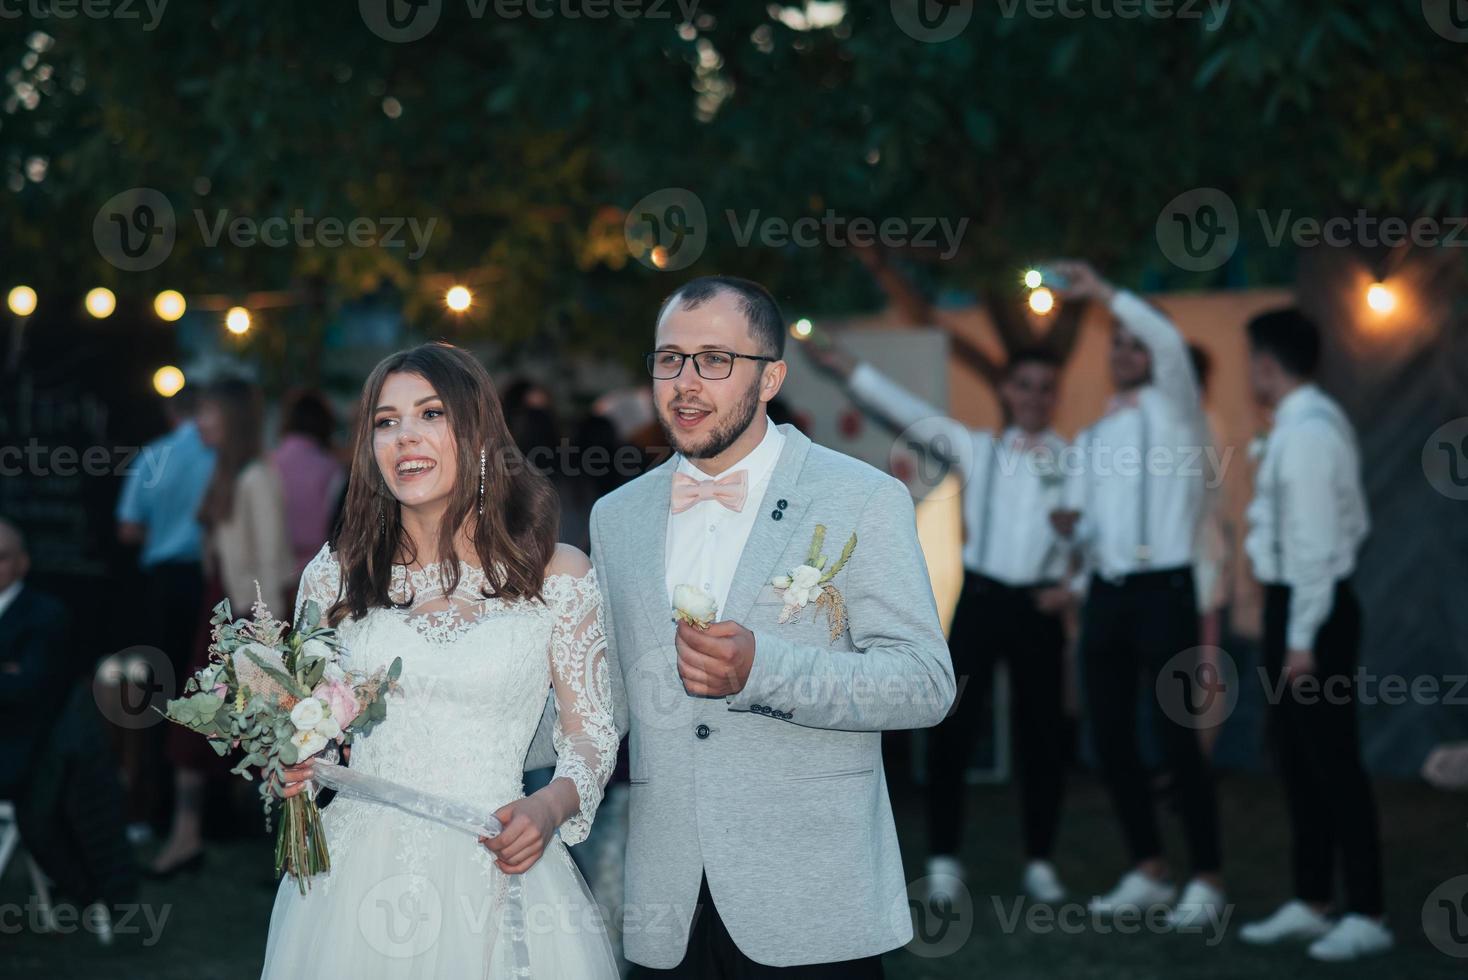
column 729, row 490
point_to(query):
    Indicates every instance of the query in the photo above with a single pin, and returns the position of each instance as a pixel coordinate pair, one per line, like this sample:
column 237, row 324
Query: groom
column 760, row 837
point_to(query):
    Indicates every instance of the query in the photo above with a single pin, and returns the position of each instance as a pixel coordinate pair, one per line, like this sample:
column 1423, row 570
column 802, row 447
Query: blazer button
column 702, row 731
column 777, row 514
column 782, row 504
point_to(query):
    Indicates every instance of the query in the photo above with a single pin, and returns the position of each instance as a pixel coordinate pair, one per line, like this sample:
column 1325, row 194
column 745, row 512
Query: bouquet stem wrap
column 300, row 841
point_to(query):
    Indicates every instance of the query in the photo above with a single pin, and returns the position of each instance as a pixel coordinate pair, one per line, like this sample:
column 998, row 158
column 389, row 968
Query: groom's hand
column 714, row 662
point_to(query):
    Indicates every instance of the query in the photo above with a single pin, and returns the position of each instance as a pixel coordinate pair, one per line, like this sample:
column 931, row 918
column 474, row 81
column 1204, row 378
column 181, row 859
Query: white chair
column 40, row 886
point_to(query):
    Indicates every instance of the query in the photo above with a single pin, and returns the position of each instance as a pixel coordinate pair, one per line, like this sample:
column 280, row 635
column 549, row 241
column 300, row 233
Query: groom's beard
column 723, row 436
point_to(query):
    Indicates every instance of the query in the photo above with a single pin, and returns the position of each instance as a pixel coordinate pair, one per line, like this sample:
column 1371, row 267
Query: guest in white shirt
column 1136, row 502
column 1306, row 522
column 1012, row 604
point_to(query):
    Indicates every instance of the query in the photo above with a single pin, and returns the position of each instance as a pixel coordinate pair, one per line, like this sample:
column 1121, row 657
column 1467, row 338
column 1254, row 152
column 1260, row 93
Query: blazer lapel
column 769, row 537
column 649, row 537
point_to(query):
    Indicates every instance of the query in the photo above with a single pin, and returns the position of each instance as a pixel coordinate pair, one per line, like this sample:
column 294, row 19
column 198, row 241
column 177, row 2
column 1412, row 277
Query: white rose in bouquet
column 308, row 743
column 307, row 714
column 694, row 606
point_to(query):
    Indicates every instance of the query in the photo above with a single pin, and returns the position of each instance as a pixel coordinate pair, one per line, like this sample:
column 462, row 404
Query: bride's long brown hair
column 513, row 538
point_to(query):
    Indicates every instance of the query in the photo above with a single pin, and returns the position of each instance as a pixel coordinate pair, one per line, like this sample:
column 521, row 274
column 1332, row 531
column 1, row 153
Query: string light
column 169, row 305
column 1381, row 298
column 168, row 381
column 22, row 301
column 801, row 329
column 458, row 299
column 237, row 320
column 1033, row 279
column 101, row 302
column 1042, row 301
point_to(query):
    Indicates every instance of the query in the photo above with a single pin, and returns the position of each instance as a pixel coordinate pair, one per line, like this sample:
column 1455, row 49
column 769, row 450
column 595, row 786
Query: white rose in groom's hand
column 694, row 606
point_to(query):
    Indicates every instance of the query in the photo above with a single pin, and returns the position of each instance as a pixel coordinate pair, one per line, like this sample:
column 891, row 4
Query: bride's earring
column 481, row 481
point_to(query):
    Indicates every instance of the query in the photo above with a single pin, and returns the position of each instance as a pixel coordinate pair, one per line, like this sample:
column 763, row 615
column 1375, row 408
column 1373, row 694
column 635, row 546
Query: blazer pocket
column 844, row 774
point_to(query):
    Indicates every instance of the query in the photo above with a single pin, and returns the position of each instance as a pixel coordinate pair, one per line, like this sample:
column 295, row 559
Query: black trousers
column 999, row 622
column 1313, row 724
column 1129, row 630
column 173, row 594
column 712, row 955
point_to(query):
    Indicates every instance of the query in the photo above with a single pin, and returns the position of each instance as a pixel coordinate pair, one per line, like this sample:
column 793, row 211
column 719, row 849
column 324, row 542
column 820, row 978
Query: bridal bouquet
column 280, row 695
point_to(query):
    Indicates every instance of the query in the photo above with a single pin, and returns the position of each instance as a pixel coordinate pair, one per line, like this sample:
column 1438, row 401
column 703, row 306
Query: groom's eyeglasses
column 711, row 365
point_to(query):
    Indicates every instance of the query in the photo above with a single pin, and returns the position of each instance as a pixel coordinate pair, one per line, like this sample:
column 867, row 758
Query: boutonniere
column 811, row 582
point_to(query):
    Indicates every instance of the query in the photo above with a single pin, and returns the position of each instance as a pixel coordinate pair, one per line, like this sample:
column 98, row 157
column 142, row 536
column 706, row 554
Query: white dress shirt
column 1308, row 516
column 1138, row 474
column 8, row 596
column 706, row 540
column 1010, row 483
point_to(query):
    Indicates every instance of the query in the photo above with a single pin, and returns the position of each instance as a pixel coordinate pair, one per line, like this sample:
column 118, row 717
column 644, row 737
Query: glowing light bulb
column 101, row 302
column 168, row 381
column 1033, row 279
column 1042, row 301
column 237, row 320
column 458, row 299
column 22, row 301
column 802, row 329
column 1381, row 298
column 169, row 305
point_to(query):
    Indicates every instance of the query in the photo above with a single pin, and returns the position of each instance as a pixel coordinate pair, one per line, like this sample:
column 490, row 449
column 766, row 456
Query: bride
column 447, row 557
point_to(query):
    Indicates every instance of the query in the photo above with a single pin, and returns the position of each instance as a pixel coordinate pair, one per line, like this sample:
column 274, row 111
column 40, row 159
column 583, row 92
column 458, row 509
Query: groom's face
column 705, row 416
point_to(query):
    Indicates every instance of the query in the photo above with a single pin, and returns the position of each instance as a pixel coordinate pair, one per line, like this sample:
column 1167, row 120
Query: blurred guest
column 1306, row 522
column 158, row 508
column 247, row 547
column 34, row 662
column 1137, row 519
column 1011, row 607
column 55, row 764
column 311, row 476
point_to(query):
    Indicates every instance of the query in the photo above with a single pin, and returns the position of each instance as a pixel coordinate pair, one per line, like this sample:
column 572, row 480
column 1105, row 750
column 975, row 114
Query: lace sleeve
column 321, row 582
column 585, row 735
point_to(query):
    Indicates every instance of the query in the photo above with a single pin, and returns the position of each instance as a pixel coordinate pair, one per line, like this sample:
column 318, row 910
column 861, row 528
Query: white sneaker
column 1201, row 905
column 1042, row 884
column 945, row 878
column 1353, row 937
column 1134, row 891
column 1294, row 921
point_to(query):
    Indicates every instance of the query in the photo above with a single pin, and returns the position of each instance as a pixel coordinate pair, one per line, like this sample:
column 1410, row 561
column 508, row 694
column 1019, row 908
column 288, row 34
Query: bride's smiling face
column 413, row 441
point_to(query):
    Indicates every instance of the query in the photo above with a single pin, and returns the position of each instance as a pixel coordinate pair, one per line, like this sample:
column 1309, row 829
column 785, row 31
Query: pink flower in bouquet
column 339, row 699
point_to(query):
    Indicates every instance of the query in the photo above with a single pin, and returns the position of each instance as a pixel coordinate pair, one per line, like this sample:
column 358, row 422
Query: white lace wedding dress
column 408, row 898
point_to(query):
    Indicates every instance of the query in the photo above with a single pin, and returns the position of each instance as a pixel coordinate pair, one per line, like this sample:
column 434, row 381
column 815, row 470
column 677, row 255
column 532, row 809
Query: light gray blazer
column 777, row 794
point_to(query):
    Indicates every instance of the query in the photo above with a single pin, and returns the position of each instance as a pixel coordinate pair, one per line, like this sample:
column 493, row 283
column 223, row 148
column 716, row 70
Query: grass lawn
column 1425, row 837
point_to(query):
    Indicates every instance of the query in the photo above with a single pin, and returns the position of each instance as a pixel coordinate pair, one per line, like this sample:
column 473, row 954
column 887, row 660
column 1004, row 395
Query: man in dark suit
column 54, row 762
column 34, row 664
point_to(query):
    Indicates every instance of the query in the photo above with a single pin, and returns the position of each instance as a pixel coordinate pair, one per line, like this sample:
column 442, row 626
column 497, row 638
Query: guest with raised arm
column 1138, row 494
column 1012, row 605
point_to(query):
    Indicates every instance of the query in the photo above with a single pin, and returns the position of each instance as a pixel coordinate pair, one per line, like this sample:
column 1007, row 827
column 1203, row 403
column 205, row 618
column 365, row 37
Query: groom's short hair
column 766, row 322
